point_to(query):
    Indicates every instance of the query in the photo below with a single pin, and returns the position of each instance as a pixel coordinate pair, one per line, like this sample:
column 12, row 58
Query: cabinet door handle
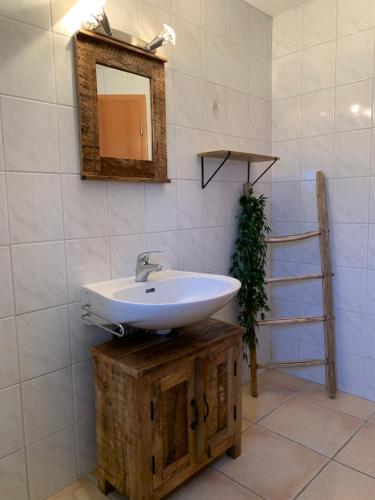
column 207, row 408
column 194, row 404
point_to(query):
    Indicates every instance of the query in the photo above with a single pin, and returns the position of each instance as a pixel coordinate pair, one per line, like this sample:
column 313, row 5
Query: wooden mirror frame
column 93, row 49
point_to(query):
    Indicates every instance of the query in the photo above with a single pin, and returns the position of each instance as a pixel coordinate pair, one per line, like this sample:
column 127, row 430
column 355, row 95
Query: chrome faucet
column 144, row 268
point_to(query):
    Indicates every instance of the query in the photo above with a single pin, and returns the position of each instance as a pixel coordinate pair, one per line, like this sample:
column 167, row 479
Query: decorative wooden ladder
column 328, row 314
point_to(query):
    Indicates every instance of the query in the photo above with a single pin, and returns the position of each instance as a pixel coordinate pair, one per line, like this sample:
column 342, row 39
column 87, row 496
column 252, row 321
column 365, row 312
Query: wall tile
column 349, row 245
column 215, row 16
column 285, row 201
column 353, row 154
column 51, row 464
column 11, row 435
column 350, row 200
column 83, row 336
column 355, row 57
column 191, row 12
column 83, row 390
column 317, row 113
column 190, row 204
column 258, row 79
column 371, row 245
column 238, row 68
column 353, row 109
column 188, row 101
column 68, row 140
column 35, row 208
column 216, row 249
column 260, row 119
column 316, row 153
column 85, row 207
column 39, row 276
column 286, row 119
column 260, row 32
column 191, row 250
column 47, row 404
column 350, row 328
column 287, row 33
column 239, row 22
column 126, row 208
column 36, row 14
column 161, row 207
column 319, row 22
column 43, row 339
column 288, row 167
column 286, row 76
column 86, row 447
column 214, row 209
column 319, row 67
column 123, row 15
column 350, row 373
column 188, row 50
column 30, row 136
column 215, row 53
column 215, row 108
column 9, row 369
column 124, row 252
column 167, row 242
column 6, row 284
column 354, row 17
column 369, row 337
column 349, row 287
column 4, row 231
column 189, row 142
column 87, row 262
column 238, row 114
column 13, row 476
column 27, row 61
column 64, row 69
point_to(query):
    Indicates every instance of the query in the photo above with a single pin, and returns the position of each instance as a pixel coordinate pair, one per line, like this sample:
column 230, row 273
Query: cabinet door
column 219, row 400
column 174, row 421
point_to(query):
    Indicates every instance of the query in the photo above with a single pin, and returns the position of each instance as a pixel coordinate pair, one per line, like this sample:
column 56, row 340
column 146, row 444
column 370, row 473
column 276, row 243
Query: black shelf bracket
column 205, row 184
column 226, row 158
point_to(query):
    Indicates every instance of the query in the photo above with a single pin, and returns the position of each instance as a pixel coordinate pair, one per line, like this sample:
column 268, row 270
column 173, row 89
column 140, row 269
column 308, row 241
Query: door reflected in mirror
column 124, row 109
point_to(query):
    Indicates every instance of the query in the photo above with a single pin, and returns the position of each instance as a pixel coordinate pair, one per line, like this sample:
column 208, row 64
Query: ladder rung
column 288, row 321
column 293, row 237
column 286, row 279
column 291, row 364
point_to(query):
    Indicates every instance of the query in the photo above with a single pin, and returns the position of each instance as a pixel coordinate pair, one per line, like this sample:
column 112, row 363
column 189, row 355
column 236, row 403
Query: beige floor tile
column 271, row 465
column 337, row 482
column 359, row 452
column 245, row 424
column 346, row 403
column 312, row 425
column 84, row 489
column 212, row 485
column 274, row 388
column 275, row 378
column 372, row 419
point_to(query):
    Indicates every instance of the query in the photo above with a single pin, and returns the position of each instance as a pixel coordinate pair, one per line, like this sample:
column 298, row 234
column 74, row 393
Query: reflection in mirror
column 124, row 106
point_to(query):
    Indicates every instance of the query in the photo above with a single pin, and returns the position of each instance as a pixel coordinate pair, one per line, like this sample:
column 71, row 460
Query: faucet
column 144, row 268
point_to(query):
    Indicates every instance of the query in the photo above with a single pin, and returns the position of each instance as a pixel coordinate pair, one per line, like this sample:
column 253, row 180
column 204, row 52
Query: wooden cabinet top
column 141, row 353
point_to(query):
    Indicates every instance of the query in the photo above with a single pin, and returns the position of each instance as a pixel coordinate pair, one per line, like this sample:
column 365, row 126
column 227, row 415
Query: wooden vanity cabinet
column 166, row 407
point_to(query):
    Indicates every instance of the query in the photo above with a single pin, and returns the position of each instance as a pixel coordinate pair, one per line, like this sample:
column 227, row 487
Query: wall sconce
column 100, row 19
column 168, row 35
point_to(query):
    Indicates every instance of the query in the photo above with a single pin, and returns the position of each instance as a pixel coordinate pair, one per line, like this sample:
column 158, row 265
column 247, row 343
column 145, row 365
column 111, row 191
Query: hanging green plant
column 249, row 265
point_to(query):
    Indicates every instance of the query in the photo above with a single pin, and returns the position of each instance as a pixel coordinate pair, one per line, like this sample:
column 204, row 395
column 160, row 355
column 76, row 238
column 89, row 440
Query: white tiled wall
column 323, row 83
column 58, row 232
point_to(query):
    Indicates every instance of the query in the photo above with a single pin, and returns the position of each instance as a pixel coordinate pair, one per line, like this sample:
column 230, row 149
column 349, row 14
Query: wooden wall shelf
column 226, row 155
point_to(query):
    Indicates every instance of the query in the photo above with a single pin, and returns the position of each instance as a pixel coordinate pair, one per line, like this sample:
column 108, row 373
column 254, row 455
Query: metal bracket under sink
column 119, row 330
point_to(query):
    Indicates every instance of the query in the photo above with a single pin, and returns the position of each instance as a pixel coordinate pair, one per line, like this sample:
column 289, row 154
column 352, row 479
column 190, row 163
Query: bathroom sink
column 169, row 299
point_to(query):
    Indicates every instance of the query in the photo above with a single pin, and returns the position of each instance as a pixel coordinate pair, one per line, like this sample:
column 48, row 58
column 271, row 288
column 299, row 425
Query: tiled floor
column 297, row 443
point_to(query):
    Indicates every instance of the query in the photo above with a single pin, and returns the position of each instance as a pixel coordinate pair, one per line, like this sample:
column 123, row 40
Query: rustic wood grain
column 92, row 50
column 153, row 427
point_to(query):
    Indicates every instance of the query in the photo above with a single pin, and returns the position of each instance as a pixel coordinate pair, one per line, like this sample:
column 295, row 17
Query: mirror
column 121, row 104
column 124, row 114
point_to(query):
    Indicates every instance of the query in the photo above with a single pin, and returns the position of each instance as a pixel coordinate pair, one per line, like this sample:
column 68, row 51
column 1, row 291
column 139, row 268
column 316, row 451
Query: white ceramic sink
column 169, row 299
